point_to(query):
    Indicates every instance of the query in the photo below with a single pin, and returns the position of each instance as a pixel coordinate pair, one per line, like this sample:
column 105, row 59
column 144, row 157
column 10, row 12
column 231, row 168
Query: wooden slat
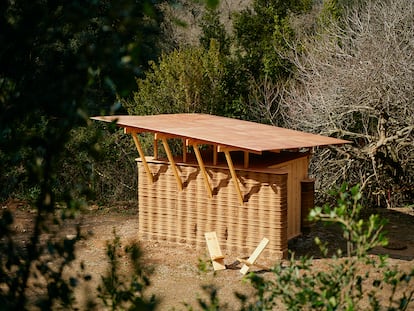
column 247, row 263
column 172, row 162
column 216, row 255
column 142, row 155
column 253, row 257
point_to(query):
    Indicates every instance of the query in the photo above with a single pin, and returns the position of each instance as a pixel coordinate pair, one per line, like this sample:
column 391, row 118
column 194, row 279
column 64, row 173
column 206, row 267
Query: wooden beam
column 203, row 169
column 142, row 155
column 172, row 162
column 190, row 142
column 222, row 148
column 167, row 136
column 253, row 257
column 275, row 150
column 130, row 130
column 234, row 176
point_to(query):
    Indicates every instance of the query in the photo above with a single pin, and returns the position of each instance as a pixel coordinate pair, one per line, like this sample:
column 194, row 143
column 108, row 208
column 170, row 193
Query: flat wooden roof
column 222, row 131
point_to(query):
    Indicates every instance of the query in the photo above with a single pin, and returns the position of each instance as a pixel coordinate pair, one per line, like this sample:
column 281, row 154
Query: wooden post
column 246, row 159
column 155, row 147
column 172, row 162
column 234, row 176
column 142, row 155
column 203, row 169
column 215, row 155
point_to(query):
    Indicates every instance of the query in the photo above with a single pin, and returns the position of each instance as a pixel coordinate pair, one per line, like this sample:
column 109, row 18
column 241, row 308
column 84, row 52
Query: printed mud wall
column 166, row 213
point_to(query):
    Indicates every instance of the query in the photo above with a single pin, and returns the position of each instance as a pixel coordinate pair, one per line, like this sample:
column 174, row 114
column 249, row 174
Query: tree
column 262, row 34
column 355, row 81
column 59, row 60
column 184, row 80
column 213, row 29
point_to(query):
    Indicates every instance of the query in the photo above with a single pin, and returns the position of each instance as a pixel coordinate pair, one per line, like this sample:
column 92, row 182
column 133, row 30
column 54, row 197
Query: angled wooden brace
column 234, row 176
column 202, row 168
column 216, row 255
column 142, row 155
column 171, row 160
column 253, row 257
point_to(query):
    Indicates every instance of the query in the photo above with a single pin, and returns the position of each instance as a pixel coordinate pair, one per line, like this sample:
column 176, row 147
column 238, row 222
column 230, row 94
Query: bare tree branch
column 356, row 81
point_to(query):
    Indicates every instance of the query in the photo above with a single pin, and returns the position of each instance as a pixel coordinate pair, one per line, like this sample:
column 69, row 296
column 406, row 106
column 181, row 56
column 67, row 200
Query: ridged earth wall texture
column 165, row 213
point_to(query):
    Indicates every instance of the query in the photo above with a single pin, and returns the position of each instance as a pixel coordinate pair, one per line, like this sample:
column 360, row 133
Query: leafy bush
column 125, row 290
column 261, row 50
column 70, row 58
column 348, row 283
column 185, row 80
column 106, row 176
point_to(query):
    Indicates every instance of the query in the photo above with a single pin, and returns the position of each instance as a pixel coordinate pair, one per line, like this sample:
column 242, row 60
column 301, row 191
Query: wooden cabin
column 241, row 179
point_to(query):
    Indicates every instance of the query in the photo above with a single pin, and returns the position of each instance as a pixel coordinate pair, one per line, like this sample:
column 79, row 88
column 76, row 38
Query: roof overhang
column 226, row 133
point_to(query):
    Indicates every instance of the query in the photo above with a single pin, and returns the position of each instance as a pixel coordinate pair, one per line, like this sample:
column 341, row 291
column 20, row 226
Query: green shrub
column 357, row 281
column 353, row 282
column 125, row 290
column 107, row 176
column 185, row 80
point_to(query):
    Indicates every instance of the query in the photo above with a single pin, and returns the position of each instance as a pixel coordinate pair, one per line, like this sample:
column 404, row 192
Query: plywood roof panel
column 234, row 133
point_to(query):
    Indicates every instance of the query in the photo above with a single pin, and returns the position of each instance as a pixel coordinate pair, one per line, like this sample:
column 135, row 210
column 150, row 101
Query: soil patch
column 176, row 279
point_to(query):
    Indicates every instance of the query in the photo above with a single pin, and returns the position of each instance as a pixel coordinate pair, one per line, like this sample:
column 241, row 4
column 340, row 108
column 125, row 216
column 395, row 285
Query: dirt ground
column 176, row 279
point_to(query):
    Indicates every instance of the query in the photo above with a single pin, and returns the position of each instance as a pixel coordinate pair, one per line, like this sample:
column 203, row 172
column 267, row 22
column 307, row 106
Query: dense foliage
column 263, row 33
column 63, row 66
column 59, row 61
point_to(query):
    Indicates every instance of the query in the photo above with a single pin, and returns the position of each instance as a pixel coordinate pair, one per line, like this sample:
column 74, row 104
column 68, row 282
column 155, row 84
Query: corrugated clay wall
column 184, row 216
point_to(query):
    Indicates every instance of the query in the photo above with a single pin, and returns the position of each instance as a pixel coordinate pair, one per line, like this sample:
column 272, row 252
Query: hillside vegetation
column 342, row 69
column 339, row 68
